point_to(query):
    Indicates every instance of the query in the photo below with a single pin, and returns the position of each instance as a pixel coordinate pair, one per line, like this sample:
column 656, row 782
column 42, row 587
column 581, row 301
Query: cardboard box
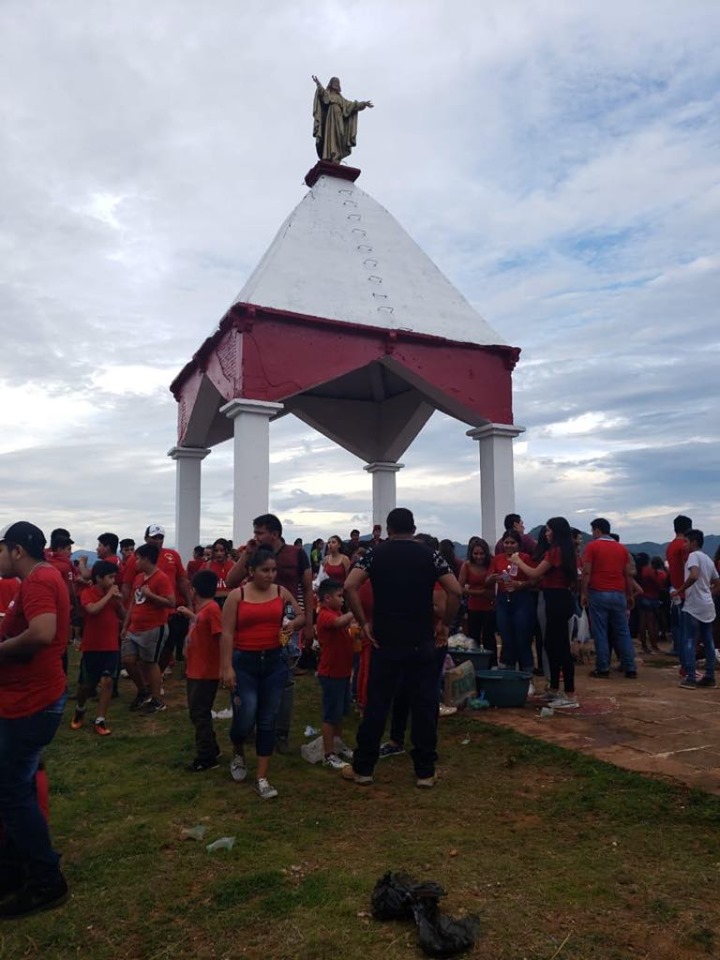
column 459, row 684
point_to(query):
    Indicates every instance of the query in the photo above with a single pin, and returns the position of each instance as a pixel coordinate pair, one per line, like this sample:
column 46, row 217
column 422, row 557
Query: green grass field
column 561, row 856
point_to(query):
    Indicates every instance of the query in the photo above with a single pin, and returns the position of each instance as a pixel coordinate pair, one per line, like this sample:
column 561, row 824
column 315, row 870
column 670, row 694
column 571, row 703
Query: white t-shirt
column 698, row 598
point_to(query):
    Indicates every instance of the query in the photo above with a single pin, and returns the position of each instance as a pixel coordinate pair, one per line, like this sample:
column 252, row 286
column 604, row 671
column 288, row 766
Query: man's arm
column 239, row 571
column 630, row 583
column 693, row 574
column 184, row 588
column 40, row 632
column 449, row 583
column 308, row 602
column 587, row 571
column 355, row 579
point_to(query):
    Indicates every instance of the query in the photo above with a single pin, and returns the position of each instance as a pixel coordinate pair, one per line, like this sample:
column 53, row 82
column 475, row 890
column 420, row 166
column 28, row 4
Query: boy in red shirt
column 102, row 611
column 334, row 669
column 145, row 628
column 202, row 667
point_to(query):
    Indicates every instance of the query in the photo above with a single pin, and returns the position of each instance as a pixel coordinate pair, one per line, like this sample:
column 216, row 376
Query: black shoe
column 200, row 766
column 12, row 878
column 600, row 674
column 707, row 682
column 631, row 674
column 33, row 898
column 153, row 705
column 139, row 700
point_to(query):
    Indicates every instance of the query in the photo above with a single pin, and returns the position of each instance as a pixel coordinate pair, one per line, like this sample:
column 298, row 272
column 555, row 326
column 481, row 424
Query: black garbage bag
column 396, row 894
column 440, row 935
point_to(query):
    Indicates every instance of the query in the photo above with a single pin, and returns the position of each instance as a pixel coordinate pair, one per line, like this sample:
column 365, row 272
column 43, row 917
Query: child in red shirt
column 102, row 611
column 334, row 669
column 202, row 667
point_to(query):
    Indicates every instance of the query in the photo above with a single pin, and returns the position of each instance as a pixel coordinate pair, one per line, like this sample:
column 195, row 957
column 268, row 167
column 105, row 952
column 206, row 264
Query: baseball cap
column 156, row 530
column 25, row 535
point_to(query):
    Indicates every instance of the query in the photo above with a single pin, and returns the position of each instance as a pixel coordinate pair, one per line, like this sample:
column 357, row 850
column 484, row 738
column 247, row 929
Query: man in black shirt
column 403, row 574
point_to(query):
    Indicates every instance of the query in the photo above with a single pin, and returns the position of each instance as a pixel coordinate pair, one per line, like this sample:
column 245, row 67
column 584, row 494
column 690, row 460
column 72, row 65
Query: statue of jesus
column 335, row 121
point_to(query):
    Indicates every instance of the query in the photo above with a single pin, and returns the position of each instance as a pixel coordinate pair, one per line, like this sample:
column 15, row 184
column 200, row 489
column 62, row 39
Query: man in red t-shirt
column 202, row 667
column 608, row 589
column 676, row 555
column 145, row 628
column 197, row 563
column 32, row 696
column 102, row 609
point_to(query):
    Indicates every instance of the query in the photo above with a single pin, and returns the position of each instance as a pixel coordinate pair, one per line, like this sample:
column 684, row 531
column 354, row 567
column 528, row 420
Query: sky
column 559, row 164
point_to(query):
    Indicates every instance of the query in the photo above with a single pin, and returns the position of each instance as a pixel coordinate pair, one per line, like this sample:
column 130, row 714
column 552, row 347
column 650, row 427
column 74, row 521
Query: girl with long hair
column 514, row 605
column 556, row 565
column 336, row 564
column 480, row 596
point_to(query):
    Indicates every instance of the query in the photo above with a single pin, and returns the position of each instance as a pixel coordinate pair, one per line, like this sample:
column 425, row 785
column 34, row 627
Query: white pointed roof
column 342, row 256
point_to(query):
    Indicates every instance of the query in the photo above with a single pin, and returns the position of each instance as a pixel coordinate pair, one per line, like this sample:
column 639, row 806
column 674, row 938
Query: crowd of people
column 372, row 617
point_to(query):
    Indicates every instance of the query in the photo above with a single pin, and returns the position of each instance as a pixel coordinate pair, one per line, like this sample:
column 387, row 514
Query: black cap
column 25, row 535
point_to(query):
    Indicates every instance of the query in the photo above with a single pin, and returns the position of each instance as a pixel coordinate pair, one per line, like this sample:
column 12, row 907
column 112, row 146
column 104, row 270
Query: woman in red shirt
column 652, row 580
column 336, row 564
column 221, row 564
column 514, row 605
column 253, row 665
column 480, row 596
column 557, row 567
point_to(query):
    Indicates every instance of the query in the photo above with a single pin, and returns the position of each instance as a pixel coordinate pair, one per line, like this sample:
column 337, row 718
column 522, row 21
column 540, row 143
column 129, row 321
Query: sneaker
column 446, row 711
column 33, row 899
column 264, row 789
column 531, row 690
column 549, row 695
column 140, row 700
column 282, row 746
column 101, row 728
column 333, row 761
column 361, row 779
column 78, row 720
column 390, row 749
column 238, row 768
column 631, row 674
column 564, row 701
column 200, row 766
column 153, row 705
column 124, row 674
column 426, row 783
column 707, row 682
column 342, row 749
column 600, row 674
column 688, row 684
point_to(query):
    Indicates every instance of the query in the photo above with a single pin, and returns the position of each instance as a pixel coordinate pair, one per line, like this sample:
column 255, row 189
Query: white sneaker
column 333, row 761
column 531, row 690
column 238, row 768
column 264, row 789
column 342, row 749
column 564, row 702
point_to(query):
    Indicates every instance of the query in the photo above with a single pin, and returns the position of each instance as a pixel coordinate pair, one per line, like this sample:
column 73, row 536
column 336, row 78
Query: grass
column 560, row 855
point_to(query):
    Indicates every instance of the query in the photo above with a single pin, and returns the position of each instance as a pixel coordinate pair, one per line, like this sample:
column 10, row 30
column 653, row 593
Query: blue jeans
column 677, row 629
column 610, row 607
column 692, row 630
column 515, row 615
column 27, row 839
column 260, row 676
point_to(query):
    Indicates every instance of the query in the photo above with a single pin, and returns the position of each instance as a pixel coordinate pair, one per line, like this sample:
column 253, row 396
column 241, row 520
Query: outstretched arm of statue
column 320, row 87
column 365, row 103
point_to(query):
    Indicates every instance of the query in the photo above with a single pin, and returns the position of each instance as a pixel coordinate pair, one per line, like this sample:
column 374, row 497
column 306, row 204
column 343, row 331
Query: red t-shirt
column 169, row 562
column 653, row 582
column 501, row 562
column 100, row 630
column 202, row 653
column 8, row 588
column 258, row 624
column 475, row 579
column 144, row 614
column 555, row 578
column 608, row 560
column 27, row 688
column 336, row 645
column 221, row 570
column 194, row 566
column 676, row 555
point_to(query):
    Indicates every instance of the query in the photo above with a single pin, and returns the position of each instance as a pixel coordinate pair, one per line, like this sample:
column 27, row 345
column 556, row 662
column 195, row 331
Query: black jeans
column 481, row 628
column 416, row 669
column 559, row 607
column 200, row 697
column 401, row 700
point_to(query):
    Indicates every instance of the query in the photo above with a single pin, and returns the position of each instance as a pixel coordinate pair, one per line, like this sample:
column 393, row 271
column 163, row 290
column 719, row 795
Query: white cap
column 156, row 530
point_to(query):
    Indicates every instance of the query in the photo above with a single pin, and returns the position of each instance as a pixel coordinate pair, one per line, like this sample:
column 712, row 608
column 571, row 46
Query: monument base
column 326, row 168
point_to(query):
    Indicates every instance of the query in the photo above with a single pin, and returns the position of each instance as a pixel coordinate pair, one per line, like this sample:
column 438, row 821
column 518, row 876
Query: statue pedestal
column 326, row 168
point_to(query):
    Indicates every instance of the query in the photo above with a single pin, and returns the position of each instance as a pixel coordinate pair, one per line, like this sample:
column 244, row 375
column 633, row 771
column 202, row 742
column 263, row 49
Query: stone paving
column 649, row 725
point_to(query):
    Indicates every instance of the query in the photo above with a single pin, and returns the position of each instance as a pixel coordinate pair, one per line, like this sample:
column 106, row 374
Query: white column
column 384, row 496
column 188, row 462
column 497, row 476
column 251, row 466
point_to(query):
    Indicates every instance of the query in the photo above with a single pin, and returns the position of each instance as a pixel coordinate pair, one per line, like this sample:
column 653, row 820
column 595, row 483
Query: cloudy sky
column 560, row 165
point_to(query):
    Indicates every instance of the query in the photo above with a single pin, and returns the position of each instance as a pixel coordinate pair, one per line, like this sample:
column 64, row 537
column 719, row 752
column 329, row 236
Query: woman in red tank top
column 480, row 596
column 253, row 663
column 336, row 564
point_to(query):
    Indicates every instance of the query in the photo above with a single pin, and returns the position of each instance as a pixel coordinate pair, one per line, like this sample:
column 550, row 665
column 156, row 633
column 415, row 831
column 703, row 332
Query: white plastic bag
column 583, row 628
column 321, row 575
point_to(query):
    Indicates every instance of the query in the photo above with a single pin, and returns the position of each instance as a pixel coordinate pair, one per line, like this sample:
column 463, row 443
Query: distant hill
column 712, row 542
